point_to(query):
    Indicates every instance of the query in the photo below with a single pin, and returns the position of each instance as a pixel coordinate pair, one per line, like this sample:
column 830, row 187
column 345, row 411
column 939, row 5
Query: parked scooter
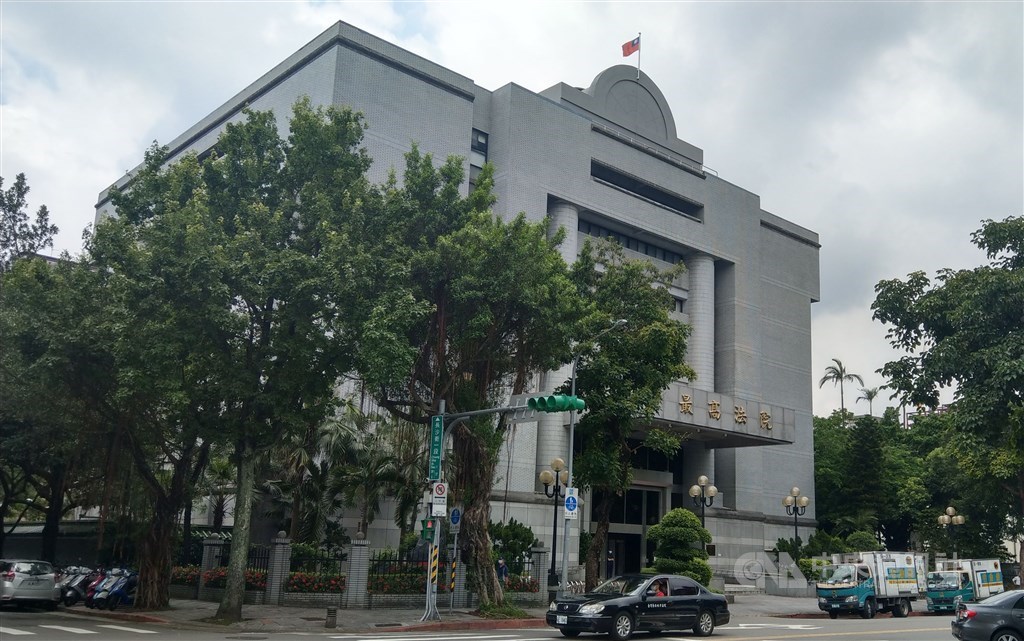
column 75, row 584
column 96, row 595
column 123, row 590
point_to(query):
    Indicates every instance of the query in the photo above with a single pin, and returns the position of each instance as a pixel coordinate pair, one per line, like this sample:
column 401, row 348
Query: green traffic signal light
column 556, row 403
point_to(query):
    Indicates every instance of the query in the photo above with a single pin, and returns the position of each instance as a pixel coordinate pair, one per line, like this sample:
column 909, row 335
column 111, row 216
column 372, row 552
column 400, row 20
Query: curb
column 484, row 624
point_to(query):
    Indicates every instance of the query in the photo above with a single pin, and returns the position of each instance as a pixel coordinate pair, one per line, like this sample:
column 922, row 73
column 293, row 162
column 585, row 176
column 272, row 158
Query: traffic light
column 558, row 403
column 429, row 526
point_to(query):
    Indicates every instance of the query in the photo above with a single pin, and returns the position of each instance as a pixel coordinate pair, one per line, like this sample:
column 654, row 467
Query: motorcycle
column 123, row 590
column 96, row 587
column 75, row 584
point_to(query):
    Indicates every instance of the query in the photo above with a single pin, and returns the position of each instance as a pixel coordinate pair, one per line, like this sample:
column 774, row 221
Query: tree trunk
column 155, row 562
column 598, row 544
column 230, row 609
column 293, row 529
column 55, row 509
column 186, row 533
column 475, row 483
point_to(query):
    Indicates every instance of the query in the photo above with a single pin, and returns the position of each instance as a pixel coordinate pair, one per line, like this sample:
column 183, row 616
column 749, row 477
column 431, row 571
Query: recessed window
column 630, row 243
column 477, row 155
column 642, row 189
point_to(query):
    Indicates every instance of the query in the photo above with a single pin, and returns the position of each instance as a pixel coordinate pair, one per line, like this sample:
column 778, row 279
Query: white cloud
column 891, row 129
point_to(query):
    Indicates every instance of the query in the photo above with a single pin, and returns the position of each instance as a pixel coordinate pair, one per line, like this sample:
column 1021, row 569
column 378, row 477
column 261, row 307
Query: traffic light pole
column 521, row 412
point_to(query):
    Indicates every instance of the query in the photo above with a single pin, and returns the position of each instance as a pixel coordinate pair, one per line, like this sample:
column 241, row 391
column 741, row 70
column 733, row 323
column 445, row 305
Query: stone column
column 212, row 549
column 552, row 435
column 358, row 573
column 700, row 306
column 563, row 214
column 278, row 568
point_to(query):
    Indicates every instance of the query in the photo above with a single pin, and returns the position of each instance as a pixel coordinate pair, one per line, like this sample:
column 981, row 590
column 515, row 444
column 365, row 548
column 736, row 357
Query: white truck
column 870, row 582
column 956, row 580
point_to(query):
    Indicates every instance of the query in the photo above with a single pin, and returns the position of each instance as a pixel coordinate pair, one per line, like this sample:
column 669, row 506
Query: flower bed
column 217, row 578
column 314, row 583
column 517, row 583
column 402, row 583
column 185, row 575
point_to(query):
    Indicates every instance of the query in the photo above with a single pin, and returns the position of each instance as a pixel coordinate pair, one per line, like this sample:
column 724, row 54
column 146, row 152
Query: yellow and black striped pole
column 433, row 564
column 451, row 588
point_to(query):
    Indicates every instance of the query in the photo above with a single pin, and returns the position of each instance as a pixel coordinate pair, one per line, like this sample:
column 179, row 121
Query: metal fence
column 317, row 571
column 258, row 558
column 391, row 573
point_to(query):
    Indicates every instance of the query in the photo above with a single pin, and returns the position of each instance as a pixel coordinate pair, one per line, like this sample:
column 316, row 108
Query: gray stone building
column 607, row 161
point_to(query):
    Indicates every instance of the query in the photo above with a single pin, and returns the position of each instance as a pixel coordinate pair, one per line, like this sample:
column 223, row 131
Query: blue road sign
column 571, row 503
column 456, row 516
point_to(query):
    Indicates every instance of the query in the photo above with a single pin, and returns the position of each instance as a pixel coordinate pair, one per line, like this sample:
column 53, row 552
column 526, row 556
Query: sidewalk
column 263, row 618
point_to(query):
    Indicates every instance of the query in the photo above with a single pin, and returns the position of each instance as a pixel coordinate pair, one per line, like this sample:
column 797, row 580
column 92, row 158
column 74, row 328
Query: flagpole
column 638, row 34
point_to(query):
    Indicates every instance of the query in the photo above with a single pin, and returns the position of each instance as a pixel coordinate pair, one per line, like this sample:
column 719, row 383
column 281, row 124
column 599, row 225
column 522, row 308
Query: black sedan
column 640, row 602
column 998, row 618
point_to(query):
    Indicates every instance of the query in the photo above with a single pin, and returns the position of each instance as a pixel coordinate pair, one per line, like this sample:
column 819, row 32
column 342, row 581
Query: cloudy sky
column 889, row 128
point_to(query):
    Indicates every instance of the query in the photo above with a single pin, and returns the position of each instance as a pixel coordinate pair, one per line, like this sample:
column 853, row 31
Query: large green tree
column 965, row 331
column 252, row 244
column 622, row 376
column 463, row 307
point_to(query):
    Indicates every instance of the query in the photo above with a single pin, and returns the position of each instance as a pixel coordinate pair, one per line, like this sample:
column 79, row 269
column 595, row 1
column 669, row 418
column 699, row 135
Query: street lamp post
column 555, row 481
column 950, row 520
column 703, row 494
column 796, row 506
column 616, row 324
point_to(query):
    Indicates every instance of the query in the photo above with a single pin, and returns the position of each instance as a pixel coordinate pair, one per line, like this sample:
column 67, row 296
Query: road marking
column 135, row 630
column 862, row 633
column 12, row 631
column 67, row 629
column 773, row 626
column 426, row 636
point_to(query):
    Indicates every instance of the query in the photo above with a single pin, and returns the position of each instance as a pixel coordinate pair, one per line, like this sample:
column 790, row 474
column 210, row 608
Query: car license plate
column 31, row 582
column 835, row 606
column 561, row 619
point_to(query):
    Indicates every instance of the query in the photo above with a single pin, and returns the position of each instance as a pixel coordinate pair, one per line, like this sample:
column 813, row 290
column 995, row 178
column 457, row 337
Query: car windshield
column 943, row 580
column 621, row 585
column 841, row 574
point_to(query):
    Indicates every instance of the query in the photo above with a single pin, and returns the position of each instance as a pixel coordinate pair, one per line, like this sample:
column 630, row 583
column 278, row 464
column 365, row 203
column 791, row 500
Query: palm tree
column 836, row 374
column 868, row 394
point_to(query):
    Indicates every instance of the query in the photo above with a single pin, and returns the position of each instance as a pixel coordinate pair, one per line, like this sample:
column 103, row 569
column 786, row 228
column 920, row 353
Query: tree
column 966, row 331
column 623, row 376
column 464, row 307
column 681, row 539
column 17, row 235
column 241, row 262
column 51, row 429
column 837, row 374
column 868, row 394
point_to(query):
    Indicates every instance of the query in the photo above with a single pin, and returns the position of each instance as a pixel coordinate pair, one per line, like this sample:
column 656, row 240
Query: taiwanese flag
column 631, row 47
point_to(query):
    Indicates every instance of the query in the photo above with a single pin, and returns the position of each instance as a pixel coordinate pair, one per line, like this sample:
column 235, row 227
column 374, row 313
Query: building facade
column 606, row 161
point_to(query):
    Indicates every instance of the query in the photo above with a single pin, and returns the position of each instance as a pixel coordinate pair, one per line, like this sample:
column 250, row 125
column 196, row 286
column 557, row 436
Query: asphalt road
column 24, row 625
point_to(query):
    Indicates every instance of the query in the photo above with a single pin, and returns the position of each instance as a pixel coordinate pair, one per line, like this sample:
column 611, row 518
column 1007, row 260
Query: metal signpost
column 456, row 525
column 520, row 411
